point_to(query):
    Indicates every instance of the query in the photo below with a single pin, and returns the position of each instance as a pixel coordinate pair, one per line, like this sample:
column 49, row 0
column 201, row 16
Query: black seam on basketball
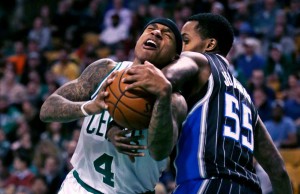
column 143, row 91
column 142, row 114
column 119, row 86
column 123, row 115
column 114, row 104
column 124, row 94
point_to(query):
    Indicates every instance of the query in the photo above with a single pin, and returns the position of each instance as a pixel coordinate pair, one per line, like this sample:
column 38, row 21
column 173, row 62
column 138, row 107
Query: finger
column 114, row 74
column 134, row 69
column 103, row 94
column 148, row 63
column 109, row 80
column 123, row 146
column 132, row 85
column 100, row 99
column 131, row 78
column 135, row 154
column 132, row 158
column 125, row 132
column 137, row 137
column 112, row 77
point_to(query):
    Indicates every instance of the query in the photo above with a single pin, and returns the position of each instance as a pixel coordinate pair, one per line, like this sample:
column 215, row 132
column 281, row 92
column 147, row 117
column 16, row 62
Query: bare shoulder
column 106, row 62
column 100, row 65
column 82, row 87
column 198, row 58
column 97, row 70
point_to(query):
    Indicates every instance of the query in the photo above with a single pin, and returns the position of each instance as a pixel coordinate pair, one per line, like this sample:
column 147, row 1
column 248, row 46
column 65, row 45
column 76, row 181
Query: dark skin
column 270, row 159
column 64, row 105
column 193, row 70
column 146, row 77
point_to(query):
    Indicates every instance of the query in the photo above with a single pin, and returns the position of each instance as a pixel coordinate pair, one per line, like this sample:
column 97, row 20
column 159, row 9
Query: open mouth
column 150, row 43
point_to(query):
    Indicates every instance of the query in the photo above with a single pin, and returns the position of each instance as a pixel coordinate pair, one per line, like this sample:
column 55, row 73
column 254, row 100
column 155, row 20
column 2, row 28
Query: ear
column 211, row 45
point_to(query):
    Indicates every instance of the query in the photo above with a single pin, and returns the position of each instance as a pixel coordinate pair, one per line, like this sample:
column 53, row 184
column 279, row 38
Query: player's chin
column 151, row 57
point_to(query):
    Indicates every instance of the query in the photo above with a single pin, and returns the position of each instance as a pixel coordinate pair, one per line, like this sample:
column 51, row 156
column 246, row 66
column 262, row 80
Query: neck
column 137, row 61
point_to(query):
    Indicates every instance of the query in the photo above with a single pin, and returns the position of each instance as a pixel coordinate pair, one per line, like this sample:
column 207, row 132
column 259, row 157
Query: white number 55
column 231, row 108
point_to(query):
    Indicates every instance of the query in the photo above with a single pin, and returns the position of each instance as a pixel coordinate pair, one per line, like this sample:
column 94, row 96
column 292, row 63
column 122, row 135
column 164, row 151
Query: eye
column 185, row 40
column 151, row 28
column 167, row 34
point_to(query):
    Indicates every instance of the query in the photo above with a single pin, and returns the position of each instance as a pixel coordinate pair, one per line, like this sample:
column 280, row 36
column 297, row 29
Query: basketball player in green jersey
column 98, row 167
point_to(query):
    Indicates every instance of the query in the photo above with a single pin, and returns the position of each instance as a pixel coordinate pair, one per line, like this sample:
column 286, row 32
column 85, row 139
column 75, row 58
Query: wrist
column 83, row 110
column 111, row 128
column 167, row 90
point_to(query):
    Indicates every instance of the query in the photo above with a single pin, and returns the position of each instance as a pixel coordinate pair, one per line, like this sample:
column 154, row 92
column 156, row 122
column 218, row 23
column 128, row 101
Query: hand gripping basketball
column 130, row 109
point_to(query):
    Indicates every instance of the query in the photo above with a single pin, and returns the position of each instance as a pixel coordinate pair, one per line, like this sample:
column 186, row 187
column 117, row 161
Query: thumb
column 148, row 63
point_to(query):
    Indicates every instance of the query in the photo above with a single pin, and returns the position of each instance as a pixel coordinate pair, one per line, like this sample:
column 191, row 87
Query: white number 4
column 231, row 108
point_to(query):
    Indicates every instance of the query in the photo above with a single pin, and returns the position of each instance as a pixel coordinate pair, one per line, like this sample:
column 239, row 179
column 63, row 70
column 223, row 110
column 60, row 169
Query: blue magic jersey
column 216, row 140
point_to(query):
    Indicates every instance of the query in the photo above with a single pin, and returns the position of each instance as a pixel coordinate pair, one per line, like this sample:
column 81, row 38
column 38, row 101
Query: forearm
column 179, row 74
column 160, row 132
column 60, row 109
column 64, row 105
column 275, row 168
column 167, row 118
column 270, row 159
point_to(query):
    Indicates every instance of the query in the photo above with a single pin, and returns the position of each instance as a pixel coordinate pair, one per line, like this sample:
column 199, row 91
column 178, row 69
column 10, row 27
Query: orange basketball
column 130, row 109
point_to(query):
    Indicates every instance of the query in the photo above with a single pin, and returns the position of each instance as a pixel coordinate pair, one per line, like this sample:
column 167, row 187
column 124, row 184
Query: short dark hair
column 215, row 26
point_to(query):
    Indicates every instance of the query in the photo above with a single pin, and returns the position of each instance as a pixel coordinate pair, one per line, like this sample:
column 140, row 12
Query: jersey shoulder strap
column 119, row 66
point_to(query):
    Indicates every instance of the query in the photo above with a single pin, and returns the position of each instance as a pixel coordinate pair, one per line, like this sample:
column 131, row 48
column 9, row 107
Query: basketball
column 130, row 109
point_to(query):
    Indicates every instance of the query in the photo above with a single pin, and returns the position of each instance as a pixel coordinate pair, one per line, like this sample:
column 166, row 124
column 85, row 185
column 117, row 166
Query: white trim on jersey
column 203, row 186
column 205, row 102
column 119, row 65
column 202, row 136
column 207, row 95
column 203, row 125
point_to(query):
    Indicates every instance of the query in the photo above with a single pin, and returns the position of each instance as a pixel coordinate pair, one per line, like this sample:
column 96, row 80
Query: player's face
column 192, row 41
column 157, row 45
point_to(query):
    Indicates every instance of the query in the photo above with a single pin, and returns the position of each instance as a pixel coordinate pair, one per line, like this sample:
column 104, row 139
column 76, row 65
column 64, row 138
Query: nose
column 157, row 33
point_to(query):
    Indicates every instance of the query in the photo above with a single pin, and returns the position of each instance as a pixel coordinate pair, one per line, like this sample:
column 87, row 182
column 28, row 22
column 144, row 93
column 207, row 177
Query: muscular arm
column 190, row 69
column 168, row 114
column 269, row 158
column 64, row 104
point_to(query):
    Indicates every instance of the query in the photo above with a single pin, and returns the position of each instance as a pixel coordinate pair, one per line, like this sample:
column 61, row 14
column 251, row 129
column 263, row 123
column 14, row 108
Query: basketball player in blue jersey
column 222, row 132
column 98, row 167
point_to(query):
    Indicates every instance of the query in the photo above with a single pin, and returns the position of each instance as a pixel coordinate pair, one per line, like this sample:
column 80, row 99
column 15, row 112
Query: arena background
column 45, row 43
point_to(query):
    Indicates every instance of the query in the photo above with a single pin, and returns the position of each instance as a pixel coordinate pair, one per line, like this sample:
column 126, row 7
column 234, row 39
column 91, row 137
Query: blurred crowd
column 44, row 44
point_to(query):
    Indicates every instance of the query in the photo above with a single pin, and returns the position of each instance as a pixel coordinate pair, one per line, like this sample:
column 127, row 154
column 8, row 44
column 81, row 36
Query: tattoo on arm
column 164, row 126
column 64, row 104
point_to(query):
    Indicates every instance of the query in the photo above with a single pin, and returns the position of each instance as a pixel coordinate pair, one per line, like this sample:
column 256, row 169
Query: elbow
column 171, row 76
column 44, row 116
